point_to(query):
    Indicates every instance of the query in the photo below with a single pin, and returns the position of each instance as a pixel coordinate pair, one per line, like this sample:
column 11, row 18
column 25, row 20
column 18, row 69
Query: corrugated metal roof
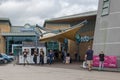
column 85, row 14
column 19, row 34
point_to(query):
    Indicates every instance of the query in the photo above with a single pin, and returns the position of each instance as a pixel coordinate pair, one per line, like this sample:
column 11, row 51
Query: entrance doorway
column 17, row 49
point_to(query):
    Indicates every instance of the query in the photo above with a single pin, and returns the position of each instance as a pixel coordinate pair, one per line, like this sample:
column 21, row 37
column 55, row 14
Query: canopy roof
column 66, row 33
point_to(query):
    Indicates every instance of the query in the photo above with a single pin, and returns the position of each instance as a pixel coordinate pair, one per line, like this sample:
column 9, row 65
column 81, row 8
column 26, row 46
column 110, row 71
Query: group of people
column 89, row 59
column 41, row 56
column 65, row 57
column 35, row 54
column 51, row 56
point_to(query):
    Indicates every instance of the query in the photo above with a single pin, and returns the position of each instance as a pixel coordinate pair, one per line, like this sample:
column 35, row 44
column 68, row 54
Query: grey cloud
column 36, row 11
column 90, row 2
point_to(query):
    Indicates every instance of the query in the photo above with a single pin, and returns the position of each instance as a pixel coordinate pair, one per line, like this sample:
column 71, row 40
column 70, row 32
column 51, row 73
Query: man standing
column 89, row 57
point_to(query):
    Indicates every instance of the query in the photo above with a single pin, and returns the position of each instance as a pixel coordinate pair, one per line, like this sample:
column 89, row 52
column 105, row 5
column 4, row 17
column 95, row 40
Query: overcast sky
column 37, row 11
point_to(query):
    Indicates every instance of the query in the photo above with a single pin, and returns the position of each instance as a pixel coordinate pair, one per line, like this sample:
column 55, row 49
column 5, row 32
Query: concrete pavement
column 52, row 72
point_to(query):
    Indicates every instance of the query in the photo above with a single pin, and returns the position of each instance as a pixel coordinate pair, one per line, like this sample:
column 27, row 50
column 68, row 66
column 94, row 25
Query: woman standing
column 41, row 56
column 101, row 59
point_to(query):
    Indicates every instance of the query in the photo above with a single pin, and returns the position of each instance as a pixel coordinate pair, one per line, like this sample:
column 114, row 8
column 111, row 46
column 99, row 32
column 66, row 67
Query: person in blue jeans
column 51, row 56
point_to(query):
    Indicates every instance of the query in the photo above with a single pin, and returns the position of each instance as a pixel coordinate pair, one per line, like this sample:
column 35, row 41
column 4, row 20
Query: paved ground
column 53, row 72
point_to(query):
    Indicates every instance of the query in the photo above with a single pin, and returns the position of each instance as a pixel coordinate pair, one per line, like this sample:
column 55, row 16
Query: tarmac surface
column 57, row 71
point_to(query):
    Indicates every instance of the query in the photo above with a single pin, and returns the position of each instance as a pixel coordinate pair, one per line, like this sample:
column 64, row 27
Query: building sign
column 78, row 38
column 110, row 61
column 82, row 38
column 86, row 38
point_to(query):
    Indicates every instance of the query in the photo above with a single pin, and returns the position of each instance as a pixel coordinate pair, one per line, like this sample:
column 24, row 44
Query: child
column 68, row 59
column 101, row 59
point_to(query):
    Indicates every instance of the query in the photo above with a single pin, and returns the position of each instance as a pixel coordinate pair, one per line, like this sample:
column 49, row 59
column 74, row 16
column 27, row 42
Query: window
column 105, row 8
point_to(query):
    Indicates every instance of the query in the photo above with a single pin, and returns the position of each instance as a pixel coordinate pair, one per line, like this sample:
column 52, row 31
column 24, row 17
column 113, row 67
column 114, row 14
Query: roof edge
column 90, row 13
column 80, row 15
column 7, row 20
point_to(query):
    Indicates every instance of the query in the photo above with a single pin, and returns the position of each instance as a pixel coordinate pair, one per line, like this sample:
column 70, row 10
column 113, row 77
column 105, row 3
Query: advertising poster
column 110, row 61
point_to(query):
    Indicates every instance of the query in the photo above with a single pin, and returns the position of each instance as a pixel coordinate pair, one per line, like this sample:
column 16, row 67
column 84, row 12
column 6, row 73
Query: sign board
column 82, row 38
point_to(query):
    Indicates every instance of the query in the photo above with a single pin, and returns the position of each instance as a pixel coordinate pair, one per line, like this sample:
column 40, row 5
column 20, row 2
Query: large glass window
column 17, row 40
column 53, row 45
column 105, row 7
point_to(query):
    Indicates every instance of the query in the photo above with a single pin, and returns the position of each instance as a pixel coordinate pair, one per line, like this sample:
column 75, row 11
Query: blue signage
column 78, row 38
column 82, row 38
column 86, row 38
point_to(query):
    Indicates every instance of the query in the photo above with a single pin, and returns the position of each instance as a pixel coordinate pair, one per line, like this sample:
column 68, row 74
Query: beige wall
column 3, row 28
column 57, row 26
column 72, row 48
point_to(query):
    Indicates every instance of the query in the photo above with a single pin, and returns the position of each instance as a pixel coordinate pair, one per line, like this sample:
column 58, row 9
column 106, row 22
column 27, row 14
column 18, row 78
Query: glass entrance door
column 16, row 49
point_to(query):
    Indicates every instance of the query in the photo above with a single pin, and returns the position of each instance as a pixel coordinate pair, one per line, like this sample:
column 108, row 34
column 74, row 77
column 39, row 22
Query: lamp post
column 78, row 40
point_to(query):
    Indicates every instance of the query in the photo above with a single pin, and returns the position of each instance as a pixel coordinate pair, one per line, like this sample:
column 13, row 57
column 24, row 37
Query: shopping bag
column 84, row 64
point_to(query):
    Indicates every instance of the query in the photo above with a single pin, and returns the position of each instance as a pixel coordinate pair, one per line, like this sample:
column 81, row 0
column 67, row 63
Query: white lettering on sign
column 86, row 38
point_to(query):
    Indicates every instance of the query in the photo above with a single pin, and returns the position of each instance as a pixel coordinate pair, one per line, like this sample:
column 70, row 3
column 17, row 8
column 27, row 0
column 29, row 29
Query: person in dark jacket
column 25, row 53
column 101, row 59
column 41, row 56
column 89, row 58
column 35, row 56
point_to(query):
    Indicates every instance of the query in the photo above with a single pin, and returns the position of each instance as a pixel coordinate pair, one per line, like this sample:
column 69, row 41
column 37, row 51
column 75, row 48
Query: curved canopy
column 66, row 33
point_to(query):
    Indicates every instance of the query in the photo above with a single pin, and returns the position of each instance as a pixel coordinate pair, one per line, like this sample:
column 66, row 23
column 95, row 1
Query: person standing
column 68, row 59
column 64, row 53
column 41, row 57
column 89, row 58
column 35, row 56
column 25, row 52
column 101, row 59
column 76, row 56
column 51, row 56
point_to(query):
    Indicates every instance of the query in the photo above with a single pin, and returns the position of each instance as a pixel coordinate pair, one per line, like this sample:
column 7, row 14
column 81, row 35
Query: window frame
column 105, row 7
